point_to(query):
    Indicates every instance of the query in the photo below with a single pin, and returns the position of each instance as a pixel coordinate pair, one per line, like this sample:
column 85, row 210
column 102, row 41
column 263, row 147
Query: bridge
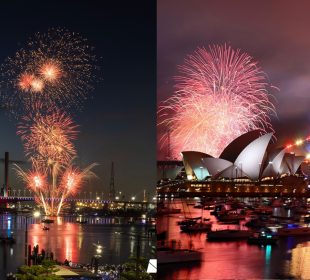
column 15, row 199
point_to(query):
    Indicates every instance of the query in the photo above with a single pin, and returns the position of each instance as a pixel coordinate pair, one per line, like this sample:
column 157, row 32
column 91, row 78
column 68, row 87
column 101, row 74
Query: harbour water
column 70, row 240
column 234, row 259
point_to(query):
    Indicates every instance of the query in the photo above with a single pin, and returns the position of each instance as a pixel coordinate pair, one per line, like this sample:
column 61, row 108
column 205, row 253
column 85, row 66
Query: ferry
column 228, row 234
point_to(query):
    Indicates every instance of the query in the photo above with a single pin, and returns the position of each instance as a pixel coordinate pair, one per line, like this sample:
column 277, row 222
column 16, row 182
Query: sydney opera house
column 249, row 164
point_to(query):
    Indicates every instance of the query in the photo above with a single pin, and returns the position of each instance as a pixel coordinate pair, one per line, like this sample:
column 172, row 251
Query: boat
column 293, row 230
column 263, row 237
column 47, row 221
column 198, row 227
column 169, row 255
column 228, row 234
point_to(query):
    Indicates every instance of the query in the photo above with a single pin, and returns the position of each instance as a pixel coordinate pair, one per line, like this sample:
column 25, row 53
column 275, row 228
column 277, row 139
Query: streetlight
column 36, row 214
column 133, row 198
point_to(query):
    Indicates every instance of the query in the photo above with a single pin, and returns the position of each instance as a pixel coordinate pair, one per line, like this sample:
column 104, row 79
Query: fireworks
column 43, row 81
column 220, row 94
column 69, row 181
column 48, row 138
column 56, row 68
column 51, row 72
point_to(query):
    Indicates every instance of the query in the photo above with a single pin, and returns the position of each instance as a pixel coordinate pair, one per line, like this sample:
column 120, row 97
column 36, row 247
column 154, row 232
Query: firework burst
column 48, row 138
column 68, row 180
column 220, row 94
column 56, row 68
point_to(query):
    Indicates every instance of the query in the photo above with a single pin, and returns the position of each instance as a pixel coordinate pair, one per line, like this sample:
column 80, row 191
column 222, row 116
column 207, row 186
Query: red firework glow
column 25, row 81
column 220, row 94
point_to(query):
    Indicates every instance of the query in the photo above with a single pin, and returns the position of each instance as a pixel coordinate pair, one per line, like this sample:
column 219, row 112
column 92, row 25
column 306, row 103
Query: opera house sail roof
column 249, row 155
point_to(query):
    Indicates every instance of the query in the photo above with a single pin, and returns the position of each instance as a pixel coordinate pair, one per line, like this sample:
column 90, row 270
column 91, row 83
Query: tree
column 132, row 273
column 46, row 271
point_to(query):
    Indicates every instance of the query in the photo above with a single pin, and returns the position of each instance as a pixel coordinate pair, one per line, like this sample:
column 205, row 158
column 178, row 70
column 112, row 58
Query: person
column 52, row 256
column 43, row 253
column 66, row 262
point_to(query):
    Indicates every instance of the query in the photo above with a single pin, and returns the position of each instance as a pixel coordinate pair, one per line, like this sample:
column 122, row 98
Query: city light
column 133, row 198
column 36, row 214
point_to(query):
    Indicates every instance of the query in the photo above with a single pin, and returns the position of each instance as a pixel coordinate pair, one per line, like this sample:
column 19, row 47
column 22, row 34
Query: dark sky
column 276, row 33
column 118, row 122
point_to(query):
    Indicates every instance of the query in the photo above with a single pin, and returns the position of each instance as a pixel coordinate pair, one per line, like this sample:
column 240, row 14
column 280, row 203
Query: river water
column 71, row 241
column 236, row 259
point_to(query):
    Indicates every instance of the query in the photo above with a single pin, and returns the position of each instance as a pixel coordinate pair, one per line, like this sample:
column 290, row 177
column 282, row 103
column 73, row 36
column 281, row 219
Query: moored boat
column 198, row 227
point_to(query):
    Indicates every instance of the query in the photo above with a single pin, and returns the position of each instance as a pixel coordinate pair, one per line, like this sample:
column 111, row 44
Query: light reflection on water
column 69, row 240
column 299, row 266
column 234, row 260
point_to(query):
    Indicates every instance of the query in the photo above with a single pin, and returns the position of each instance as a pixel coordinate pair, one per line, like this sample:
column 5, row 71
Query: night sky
column 118, row 122
column 275, row 33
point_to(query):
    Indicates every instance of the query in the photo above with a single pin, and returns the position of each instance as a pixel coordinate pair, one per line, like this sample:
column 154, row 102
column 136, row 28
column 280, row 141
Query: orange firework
column 25, row 81
column 60, row 64
column 49, row 138
column 37, row 85
column 71, row 181
column 50, row 71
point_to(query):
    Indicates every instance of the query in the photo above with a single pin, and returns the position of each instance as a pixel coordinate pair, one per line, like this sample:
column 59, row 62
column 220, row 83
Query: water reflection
column 300, row 261
column 233, row 260
column 69, row 240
